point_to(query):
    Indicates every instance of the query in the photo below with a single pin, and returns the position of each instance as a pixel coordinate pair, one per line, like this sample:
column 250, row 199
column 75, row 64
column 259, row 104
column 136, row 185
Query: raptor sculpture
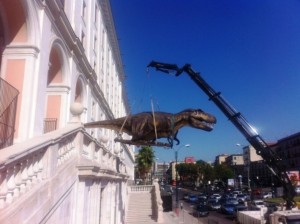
column 145, row 128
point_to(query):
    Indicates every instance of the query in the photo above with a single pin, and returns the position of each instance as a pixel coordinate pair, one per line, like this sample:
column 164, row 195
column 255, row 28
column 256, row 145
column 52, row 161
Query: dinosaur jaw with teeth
column 206, row 124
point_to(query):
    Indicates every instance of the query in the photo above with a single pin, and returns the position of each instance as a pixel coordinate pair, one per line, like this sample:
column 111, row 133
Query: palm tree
column 145, row 159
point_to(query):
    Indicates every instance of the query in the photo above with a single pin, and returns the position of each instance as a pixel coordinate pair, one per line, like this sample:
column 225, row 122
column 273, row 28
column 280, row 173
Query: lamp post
column 241, row 182
column 248, row 162
column 176, row 173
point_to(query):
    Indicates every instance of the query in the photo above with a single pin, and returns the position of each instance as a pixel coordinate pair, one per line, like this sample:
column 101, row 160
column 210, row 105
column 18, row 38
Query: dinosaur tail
column 115, row 124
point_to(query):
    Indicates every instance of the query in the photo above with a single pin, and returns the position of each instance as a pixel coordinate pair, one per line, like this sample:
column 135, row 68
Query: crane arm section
column 271, row 159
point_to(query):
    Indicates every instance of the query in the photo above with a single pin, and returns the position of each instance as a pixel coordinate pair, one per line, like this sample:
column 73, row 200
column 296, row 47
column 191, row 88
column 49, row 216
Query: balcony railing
column 50, row 124
column 25, row 166
column 8, row 108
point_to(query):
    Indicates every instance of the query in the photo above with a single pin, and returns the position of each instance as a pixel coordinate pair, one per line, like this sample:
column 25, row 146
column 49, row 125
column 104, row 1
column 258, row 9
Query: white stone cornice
column 89, row 169
column 21, row 50
column 58, row 88
column 110, row 27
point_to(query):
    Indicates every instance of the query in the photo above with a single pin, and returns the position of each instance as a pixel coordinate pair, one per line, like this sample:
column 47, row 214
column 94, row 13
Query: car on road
column 227, row 208
column 200, row 211
column 267, row 195
column 256, row 204
column 241, row 198
column 214, row 206
column 236, row 193
column 193, row 198
column 186, row 197
column 202, row 196
column 215, row 196
column 211, row 200
column 232, row 201
column 239, row 208
column 202, row 201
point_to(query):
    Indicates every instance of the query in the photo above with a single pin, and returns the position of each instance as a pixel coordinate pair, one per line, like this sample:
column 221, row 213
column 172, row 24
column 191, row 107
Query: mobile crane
column 271, row 159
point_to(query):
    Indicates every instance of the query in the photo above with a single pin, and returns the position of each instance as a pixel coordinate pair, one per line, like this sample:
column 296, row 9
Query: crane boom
column 271, row 159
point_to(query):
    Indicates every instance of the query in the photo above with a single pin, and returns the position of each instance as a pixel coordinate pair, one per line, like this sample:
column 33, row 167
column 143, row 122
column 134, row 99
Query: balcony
column 67, row 172
column 8, row 107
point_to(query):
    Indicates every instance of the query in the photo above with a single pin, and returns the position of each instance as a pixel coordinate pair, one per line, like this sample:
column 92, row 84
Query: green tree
column 144, row 160
column 222, row 172
column 187, row 171
column 205, row 172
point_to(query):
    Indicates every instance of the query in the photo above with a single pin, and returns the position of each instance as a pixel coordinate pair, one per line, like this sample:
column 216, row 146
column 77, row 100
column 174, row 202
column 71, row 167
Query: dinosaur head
column 197, row 118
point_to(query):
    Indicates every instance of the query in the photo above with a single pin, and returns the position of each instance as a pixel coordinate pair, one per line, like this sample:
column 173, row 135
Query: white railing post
column 3, row 189
column 10, row 184
column 18, row 180
column 34, row 169
column 24, row 176
column 29, row 172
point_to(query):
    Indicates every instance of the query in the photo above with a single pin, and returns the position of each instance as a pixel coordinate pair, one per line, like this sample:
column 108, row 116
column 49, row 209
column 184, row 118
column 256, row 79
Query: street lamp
column 176, row 173
column 241, row 183
column 248, row 162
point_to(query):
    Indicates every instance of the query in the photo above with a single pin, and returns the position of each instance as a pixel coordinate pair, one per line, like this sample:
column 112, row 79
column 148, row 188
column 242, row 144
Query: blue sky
column 247, row 50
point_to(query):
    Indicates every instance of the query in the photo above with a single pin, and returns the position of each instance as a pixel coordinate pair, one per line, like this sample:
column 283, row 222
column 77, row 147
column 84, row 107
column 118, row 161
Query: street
column 184, row 213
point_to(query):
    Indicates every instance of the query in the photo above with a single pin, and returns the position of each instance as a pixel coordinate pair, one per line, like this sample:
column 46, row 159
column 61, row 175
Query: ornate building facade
column 56, row 55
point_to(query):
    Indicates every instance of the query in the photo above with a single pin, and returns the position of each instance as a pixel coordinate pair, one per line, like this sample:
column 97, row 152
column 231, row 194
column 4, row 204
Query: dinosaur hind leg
column 173, row 138
column 176, row 139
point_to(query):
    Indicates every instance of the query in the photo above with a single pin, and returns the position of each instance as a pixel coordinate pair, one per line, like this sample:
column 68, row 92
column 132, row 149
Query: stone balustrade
column 140, row 188
column 28, row 165
column 24, row 166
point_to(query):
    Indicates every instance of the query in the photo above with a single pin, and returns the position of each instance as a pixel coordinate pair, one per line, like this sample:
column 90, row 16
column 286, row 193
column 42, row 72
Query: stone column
column 94, row 206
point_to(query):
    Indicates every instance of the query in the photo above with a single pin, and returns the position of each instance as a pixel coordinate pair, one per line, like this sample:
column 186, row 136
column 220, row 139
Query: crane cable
column 152, row 106
column 153, row 115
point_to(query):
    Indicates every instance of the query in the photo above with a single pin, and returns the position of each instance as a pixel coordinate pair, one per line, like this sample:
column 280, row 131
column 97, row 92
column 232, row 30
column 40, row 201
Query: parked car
column 236, row 193
column 214, row 206
column 232, row 201
column 257, row 204
column 202, row 201
column 200, row 211
column 215, row 196
column 227, row 208
column 256, row 192
column 267, row 195
column 202, row 196
column 239, row 208
column 211, row 200
column 241, row 198
column 186, row 197
column 168, row 189
column 193, row 198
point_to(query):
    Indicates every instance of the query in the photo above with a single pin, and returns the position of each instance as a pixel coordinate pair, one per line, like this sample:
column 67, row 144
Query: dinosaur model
column 146, row 127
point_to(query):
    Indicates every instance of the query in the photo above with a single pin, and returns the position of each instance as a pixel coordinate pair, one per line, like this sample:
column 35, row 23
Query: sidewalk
column 179, row 218
column 185, row 218
column 170, row 218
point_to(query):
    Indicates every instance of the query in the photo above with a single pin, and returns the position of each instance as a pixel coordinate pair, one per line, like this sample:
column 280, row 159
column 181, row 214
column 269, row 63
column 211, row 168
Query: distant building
column 220, row 159
column 172, row 171
column 250, row 155
column 159, row 170
column 288, row 149
column 234, row 160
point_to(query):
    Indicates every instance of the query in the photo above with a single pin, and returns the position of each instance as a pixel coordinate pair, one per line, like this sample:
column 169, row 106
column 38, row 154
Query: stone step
column 139, row 209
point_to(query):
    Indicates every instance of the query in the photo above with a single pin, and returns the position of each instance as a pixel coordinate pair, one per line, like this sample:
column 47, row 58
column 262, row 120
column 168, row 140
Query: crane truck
column 270, row 158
